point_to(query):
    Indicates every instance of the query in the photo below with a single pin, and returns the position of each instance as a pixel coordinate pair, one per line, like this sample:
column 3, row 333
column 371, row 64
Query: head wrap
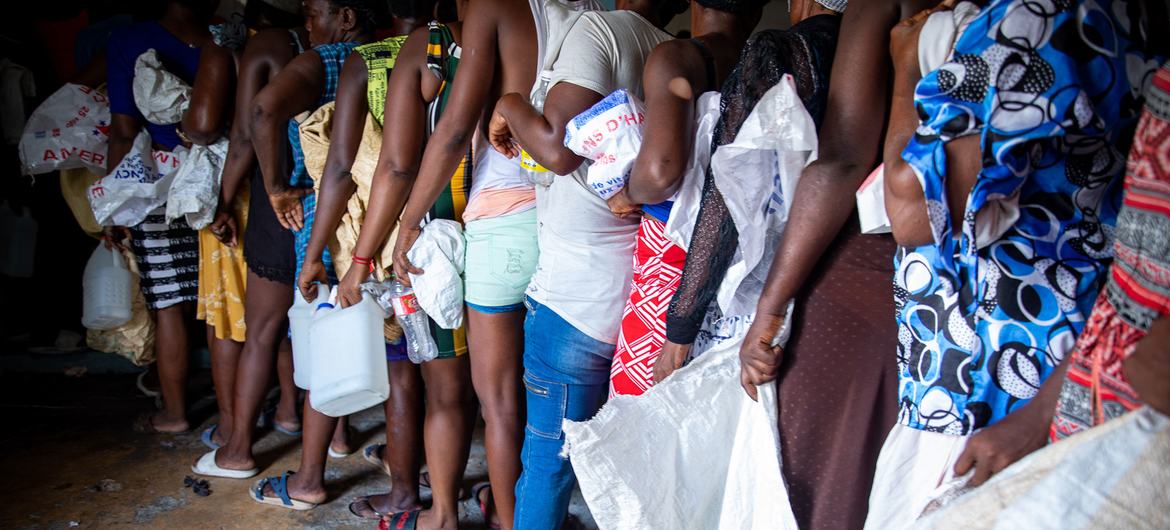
column 733, row 6
column 835, row 5
column 292, row 7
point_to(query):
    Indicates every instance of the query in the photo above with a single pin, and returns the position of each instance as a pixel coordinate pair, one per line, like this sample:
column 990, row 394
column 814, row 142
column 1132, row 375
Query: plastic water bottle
column 529, row 167
column 420, row 346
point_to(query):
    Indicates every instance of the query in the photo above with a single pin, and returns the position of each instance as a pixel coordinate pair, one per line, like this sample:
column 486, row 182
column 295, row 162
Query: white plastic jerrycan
column 348, row 358
column 300, row 316
column 106, row 290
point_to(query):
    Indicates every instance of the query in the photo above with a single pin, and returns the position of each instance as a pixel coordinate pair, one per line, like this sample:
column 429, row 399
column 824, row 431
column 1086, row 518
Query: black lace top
column 806, row 52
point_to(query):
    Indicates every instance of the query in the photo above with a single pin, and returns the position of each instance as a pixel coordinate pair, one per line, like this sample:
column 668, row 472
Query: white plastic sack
column 139, row 185
column 69, row 130
column 1115, row 475
column 160, row 96
column 194, row 191
column 871, row 203
column 714, row 466
column 610, row 135
column 681, row 223
column 439, row 252
column 778, row 139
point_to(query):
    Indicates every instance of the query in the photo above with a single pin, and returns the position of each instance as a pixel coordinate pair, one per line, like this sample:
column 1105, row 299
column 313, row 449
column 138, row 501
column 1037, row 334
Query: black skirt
column 268, row 246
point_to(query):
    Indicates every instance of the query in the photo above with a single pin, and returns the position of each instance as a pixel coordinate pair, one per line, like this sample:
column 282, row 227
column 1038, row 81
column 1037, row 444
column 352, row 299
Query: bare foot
column 431, row 520
column 160, row 422
column 225, row 459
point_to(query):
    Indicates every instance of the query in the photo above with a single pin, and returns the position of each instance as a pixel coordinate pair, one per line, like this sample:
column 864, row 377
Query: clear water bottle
column 532, row 170
column 416, row 329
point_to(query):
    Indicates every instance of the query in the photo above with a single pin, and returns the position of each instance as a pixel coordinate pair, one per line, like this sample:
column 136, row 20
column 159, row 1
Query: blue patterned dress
column 1053, row 89
column 332, row 58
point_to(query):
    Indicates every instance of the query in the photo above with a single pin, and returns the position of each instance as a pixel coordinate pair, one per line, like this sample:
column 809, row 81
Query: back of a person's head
column 273, row 13
column 369, row 14
column 416, row 9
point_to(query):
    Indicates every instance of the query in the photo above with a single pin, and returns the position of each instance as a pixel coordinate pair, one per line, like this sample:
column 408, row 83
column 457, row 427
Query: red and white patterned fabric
column 658, row 264
column 1138, row 289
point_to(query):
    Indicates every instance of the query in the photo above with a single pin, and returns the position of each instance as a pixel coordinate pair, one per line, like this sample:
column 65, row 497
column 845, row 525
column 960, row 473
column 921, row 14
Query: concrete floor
column 64, row 436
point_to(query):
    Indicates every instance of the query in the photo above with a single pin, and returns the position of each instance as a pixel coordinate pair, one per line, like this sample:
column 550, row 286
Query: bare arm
column 293, row 91
column 850, row 143
column 398, row 159
column 905, row 200
column 265, row 53
column 337, row 186
column 850, row 140
column 123, row 130
column 469, row 92
column 669, row 133
column 542, row 135
column 204, row 120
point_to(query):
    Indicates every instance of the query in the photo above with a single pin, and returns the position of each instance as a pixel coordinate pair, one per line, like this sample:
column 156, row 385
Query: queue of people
column 1019, row 298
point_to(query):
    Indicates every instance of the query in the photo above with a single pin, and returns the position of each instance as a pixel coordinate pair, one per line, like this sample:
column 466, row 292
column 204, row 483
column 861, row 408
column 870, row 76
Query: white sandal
column 206, row 466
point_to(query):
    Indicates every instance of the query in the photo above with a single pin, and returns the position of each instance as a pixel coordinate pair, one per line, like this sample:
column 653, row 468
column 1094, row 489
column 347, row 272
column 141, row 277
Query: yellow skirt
column 222, row 278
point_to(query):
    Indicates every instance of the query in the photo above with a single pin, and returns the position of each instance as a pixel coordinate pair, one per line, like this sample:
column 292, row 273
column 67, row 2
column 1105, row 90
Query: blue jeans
column 566, row 375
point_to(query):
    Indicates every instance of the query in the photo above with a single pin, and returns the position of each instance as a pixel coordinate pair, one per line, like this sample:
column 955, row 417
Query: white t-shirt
column 586, row 254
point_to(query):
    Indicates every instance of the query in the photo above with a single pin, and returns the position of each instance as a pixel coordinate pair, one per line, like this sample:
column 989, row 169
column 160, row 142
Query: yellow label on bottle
column 530, row 164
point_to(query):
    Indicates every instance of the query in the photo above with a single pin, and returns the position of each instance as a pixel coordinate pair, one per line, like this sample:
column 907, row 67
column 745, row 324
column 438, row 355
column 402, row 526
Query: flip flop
column 280, row 488
column 208, row 436
column 333, row 453
column 373, row 454
column 483, row 505
column 206, row 466
column 269, row 418
column 141, row 382
column 401, row 521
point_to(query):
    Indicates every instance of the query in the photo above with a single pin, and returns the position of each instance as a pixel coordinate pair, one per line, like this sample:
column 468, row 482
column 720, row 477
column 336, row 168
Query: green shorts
column 501, row 258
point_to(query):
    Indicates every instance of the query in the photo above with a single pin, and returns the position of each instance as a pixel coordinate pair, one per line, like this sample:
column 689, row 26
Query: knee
column 448, row 394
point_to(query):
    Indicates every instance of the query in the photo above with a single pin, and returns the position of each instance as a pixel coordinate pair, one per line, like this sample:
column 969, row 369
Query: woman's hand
column 312, row 273
column 904, row 39
column 349, row 291
column 996, row 447
column 286, row 203
column 672, row 358
column 402, row 266
column 116, row 237
column 500, row 135
column 759, row 360
column 621, row 206
column 224, row 228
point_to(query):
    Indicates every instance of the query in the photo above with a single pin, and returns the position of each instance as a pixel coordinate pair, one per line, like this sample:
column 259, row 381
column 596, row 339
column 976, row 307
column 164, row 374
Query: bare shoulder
column 414, row 51
column 270, row 44
column 672, row 58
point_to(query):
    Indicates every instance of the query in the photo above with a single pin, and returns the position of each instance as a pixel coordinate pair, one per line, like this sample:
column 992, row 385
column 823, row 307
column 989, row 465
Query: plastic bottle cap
column 324, row 305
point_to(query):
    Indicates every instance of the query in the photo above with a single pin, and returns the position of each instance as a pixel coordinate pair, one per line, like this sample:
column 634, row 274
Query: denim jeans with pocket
column 566, row 376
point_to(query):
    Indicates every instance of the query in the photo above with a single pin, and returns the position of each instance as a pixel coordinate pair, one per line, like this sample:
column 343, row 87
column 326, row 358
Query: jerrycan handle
column 117, row 257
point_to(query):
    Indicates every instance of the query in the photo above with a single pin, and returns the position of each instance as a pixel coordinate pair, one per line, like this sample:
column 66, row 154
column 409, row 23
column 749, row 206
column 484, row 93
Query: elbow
column 562, row 163
column 262, row 118
column 653, row 184
column 906, row 206
column 202, row 135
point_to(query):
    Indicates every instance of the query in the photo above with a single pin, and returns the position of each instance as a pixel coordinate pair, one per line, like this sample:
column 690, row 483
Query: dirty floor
column 67, row 437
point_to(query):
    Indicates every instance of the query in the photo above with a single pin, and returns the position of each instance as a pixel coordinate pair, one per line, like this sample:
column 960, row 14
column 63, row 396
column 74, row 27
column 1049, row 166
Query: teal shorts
column 501, row 258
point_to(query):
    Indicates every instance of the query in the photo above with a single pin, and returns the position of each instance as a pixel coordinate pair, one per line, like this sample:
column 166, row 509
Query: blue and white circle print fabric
column 1053, row 89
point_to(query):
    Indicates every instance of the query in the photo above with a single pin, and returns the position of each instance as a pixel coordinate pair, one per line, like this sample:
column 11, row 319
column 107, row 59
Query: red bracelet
column 368, row 262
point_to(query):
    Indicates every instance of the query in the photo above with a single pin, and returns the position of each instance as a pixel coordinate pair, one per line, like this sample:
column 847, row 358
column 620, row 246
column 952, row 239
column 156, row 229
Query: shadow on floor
column 65, row 435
